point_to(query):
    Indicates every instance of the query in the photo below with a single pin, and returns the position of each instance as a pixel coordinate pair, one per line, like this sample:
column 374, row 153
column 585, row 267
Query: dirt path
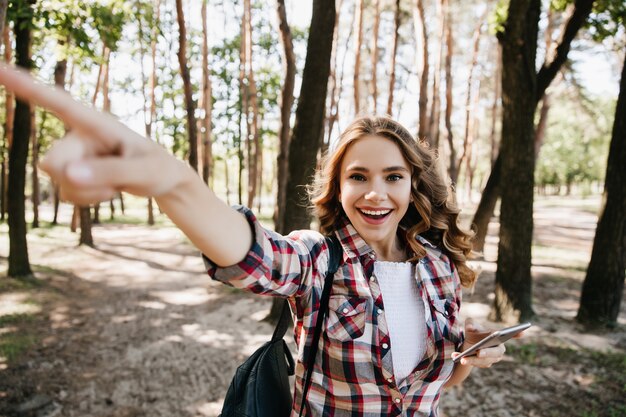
column 134, row 328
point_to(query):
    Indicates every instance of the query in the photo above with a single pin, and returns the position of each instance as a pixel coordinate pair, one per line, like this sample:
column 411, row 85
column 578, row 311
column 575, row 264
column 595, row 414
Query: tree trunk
column 513, row 300
column 286, row 103
column 493, row 140
column 604, row 283
column 374, row 54
column 190, row 105
column 550, row 68
column 308, row 129
column 421, row 33
column 358, row 28
column 469, row 110
column 153, row 83
column 207, row 101
column 243, row 106
column 86, row 238
column 309, row 126
column 36, row 135
column 60, row 71
column 436, row 104
column 8, row 127
column 448, row 69
column 252, row 113
column 19, row 265
column 336, row 86
column 394, row 53
column 4, row 4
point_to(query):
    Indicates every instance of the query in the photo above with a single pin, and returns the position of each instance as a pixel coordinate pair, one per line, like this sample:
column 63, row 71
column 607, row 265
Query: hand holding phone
column 493, row 339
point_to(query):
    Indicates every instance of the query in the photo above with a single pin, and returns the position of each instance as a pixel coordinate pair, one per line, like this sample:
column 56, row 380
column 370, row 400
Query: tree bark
column 60, row 71
column 513, row 300
column 394, row 53
column 604, row 283
column 8, row 127
column 36, row 136
column 4, row 4
column 421, row 33
column 309, row 127
column 576, row 19
column 207, row 101
column 468, row 99
column 19, row 265
column 336, row 86
column 286, row 103
column 375, row 55
column 356, row 79
column 252, row 113
column 448, row 69
column 494, row 108
column 190, row 105
column 435, row 109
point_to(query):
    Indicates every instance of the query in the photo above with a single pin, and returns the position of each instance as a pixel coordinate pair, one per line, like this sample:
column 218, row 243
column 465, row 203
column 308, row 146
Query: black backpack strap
column 335, row 256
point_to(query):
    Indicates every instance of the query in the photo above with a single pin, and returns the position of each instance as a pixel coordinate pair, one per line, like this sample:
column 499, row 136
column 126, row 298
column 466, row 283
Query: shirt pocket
column 346, row 318
column 445, row 314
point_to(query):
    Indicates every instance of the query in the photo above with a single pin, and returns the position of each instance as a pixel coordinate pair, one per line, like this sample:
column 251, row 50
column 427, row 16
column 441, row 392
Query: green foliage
column 606, row 19
column 498, row 16
column 108, row 19
column 576, row 143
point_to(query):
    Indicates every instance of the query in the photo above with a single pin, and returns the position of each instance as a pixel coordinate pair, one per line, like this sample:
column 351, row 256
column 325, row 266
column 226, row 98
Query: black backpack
column 260, row 387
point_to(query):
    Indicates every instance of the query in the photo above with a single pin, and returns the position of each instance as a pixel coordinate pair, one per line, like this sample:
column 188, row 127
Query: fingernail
column 79, row 172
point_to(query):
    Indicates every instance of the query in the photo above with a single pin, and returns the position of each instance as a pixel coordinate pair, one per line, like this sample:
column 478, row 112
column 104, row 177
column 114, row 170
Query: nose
column 376, row 193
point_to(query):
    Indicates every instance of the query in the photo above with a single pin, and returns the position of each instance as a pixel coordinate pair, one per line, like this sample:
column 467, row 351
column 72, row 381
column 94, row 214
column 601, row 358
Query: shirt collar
column 354, row 245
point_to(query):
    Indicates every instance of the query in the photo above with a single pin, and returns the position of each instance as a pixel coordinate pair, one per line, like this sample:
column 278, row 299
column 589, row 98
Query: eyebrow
column 388, row 169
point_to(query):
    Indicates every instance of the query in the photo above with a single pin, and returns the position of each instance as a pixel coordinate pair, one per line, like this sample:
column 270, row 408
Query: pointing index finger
column 101, row 126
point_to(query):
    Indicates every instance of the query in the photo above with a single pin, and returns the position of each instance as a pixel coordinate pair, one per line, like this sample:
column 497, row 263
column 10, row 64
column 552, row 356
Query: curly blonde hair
column 432, row 212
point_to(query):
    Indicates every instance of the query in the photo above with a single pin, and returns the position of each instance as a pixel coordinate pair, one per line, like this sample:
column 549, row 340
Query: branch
column 548, row 71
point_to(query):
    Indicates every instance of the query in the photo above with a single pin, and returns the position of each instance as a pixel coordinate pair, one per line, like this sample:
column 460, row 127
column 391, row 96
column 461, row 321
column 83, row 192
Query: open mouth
column 375, row 214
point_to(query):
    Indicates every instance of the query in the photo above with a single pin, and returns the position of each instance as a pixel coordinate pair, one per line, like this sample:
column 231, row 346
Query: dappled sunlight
column 208, row 337
column 190, row 296
column 155, row 305
column 17, row 303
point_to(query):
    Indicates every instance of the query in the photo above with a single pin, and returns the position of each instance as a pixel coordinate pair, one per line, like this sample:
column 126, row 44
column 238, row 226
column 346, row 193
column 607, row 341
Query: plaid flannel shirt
column 353, row 374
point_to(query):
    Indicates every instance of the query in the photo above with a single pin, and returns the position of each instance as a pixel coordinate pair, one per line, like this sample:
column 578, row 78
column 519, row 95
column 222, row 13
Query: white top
column 404, row 313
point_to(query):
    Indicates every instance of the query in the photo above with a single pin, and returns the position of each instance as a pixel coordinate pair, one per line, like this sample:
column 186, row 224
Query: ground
column 133, row 327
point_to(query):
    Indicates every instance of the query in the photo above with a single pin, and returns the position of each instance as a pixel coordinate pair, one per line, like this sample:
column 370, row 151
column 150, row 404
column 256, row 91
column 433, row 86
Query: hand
column 100, row 155
column 484, row 358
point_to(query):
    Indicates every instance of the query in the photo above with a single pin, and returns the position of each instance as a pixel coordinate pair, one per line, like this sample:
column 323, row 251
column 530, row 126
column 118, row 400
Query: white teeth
column 376, row 213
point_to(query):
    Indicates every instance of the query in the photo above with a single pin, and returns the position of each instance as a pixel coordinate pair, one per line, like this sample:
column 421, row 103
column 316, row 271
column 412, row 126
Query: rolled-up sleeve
column 276, row 265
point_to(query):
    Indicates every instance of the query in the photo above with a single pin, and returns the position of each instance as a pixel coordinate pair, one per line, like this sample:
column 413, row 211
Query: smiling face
column 375, row 192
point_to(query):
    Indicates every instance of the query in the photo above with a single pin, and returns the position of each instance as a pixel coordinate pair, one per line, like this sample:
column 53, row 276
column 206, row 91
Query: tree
column 489, row 197
column 522, row 88
column 421, row 33
column 207, row 99
column 374, row 54
column 358, row 43
column 286, row 103
column 604, row 282
column 308, row 129
column 8, row 128
column 19, row 265
column 190, row 104
column 394, row 53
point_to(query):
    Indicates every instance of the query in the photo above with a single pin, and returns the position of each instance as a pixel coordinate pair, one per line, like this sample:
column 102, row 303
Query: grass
column 16, row 336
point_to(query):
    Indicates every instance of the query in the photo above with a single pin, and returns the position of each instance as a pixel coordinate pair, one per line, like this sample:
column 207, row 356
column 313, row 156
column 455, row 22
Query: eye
column 394, row 177
column 357, row 177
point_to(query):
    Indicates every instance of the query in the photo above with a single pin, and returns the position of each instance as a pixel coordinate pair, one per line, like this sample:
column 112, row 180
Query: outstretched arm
column 101, row 156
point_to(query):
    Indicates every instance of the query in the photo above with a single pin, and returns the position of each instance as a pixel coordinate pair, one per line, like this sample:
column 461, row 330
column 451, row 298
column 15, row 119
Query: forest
column 103, row 308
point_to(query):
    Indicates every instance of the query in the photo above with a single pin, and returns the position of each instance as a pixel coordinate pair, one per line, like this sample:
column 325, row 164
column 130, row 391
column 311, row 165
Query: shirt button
column 397, row 400
column 380, row 311
column 346, row 310
column 389, row 379
column 385, row 345
column 372, row 278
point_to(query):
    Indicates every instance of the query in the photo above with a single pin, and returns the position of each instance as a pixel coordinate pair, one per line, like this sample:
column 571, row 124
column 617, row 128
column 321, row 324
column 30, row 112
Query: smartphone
column 493, row 339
